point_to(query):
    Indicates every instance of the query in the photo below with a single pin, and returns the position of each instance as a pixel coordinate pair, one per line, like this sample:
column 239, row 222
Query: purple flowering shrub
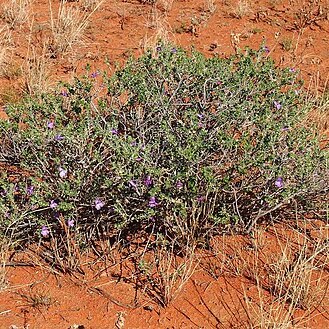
column 198, row 144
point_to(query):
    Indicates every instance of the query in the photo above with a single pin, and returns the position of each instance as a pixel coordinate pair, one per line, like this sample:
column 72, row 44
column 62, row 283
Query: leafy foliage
column 180, row 144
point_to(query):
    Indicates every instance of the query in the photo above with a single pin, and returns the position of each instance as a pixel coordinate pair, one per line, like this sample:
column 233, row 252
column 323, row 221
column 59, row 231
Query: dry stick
column 261, row 214
column 111, row 299
column 264, row 213
column 14, row 264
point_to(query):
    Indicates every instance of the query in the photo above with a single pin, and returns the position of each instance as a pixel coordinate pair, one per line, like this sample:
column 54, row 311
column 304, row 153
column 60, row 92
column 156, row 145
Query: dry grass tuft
column 68, row 28
column 318, row 96
column 295, row 277
column 38, row 300
column 4, row 255
column 161, row 32
column 166, row 274
column 90, row 5
column 3, row 273
column 5, row 48
column 309, row 13
column 210, row 6
column 320, row 117
column 241, row 9
column 36, row 71
column 291, row 283
column 165, row 5
column 16, row 12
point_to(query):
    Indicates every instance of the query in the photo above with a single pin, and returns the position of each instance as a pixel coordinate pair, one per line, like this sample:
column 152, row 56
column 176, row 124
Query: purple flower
column 50, row 124
column 53, row 204
column 285, row 128
column 179, row 185
column 148, row 181
column 132, row 183
column 201, row 198
column 58, row 138
column 152, row 203
column 64, row 93
column 3, row 192
column 292, row 70
column 174, row 50
column 266, row 49
column 94, row 74
column 115, row 131
column 62, row 172
column 45, row 231
column 99, row 204
column 279, row 182
column 70, row 223
column 30, row 190
column 158, row 48
column 200, row 116
column 139, row 159
column 277, row 105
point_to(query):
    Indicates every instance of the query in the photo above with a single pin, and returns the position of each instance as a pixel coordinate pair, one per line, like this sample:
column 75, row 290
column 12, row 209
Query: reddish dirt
column 214, row 297
column 297, row 37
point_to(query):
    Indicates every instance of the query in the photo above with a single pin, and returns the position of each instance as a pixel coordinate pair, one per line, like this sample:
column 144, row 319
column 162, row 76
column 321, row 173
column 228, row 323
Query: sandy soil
column 221, row 292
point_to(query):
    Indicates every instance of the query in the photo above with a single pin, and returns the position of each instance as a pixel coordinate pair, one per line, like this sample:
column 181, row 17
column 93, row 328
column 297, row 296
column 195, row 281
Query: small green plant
column 286, row 44
column 37, row 300
column 197, row 145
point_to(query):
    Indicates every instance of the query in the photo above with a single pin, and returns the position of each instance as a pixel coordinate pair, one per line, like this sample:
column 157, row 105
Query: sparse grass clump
column 291, row 284
column 5, row 48
column 181, row 145
column 310, row 13
column 90, row 5
column 16, row 12
column 240, row 9
column 68, row 26
column 36, row 71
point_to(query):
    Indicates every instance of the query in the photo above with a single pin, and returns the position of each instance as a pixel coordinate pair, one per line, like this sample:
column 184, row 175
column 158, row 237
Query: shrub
column 180, row 145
